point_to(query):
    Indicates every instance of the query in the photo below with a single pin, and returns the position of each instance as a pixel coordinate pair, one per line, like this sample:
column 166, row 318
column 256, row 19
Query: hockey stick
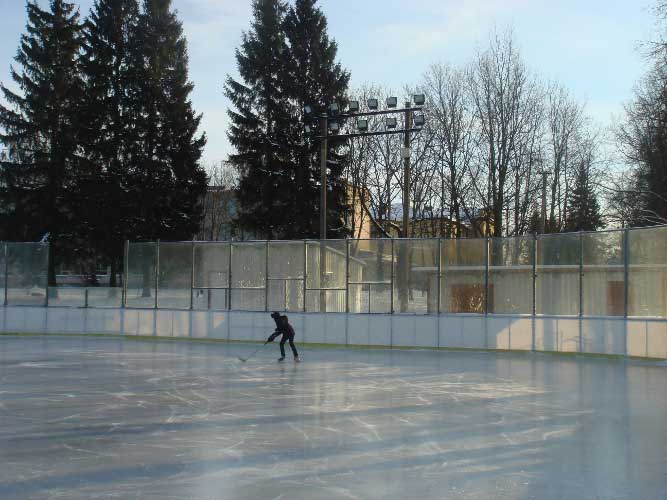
column 253, row 352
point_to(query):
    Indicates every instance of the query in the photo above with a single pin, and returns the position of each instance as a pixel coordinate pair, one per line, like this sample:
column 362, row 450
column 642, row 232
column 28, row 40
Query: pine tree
column 41, row 124
column 316, row 79
column 166, row 183
column 262, row 122
column 583, row 205
column 106, row 124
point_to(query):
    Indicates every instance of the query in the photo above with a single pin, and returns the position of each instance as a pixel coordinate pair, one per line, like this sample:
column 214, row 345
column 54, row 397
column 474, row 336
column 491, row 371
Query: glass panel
column 603, row 287
column 27, row 273
column 370, row 270
column 213, row 299
column 370, row 298
column 248, row 299
column 286, row 295
column 326, row 268
column 647, row 272
column 174, row 278
column 105, row 297
column 511, row 275
column 141, row 275
column 332, row 255
column 286, row 259
column 286, row 269
column 211, row 265
column 248, row 265
column 333, row 300
column 463, row 276
column 373, row 261
column 557, row 285
column 67, row 296
column 416, row 276
column 248, row 276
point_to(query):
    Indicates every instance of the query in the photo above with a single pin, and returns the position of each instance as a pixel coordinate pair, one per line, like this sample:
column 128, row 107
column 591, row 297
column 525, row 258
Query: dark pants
column 291, row 344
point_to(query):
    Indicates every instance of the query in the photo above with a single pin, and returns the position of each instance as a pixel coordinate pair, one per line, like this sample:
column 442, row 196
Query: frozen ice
column 88, row 417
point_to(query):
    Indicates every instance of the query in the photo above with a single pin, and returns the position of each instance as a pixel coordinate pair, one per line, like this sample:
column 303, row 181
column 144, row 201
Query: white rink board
column 614, row 336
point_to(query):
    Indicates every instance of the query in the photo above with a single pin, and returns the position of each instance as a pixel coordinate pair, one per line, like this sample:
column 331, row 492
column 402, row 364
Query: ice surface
column 84, row 418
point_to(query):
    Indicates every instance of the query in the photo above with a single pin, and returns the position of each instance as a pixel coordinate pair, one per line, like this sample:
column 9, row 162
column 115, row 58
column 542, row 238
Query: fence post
column 347, row 276
column 229, row 279
column 581, row 289
column 192, row 277
column 6, row 272
column 305, row 273
column 534, row 282
column 157, row 272
column 48, row 263
column 486, row 275
column 391, row 308
column 626, row 273
column 266, row 276
column 439, row 278
column 126, row 273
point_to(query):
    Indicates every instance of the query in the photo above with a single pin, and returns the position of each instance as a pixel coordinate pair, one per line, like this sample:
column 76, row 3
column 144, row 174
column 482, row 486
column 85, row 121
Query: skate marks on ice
column 126, row 419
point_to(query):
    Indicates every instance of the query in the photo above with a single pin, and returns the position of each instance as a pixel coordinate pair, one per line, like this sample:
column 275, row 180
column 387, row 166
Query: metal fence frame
column 391, row 281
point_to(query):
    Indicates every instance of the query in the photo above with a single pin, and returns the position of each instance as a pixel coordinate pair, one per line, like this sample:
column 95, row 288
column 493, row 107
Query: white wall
column 634, row 337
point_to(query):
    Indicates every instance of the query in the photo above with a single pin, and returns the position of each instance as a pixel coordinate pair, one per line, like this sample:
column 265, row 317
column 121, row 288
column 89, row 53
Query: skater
column 285, row 329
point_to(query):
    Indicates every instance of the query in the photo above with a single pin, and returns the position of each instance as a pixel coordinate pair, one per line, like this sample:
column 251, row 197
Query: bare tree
column 506, row 99
column 451, row 120
column 219, row 202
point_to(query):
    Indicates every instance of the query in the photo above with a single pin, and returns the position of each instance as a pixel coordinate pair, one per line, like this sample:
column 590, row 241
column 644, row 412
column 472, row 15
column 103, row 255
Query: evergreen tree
column 106, row 120
column 39, row 181
column 285, row 61
column 316, row 79
column 165, row 182
column 262, row 125
column 583, row 205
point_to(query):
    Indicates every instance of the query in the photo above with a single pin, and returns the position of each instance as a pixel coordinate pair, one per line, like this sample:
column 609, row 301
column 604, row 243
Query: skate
column 296, row 359
column 280, row 360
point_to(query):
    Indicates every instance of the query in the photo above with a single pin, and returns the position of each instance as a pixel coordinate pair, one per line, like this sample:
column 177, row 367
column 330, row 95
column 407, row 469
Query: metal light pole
column 323, row 176
column 406, row 172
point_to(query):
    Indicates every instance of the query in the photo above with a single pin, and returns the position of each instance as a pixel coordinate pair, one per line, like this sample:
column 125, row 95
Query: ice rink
column 96, row 418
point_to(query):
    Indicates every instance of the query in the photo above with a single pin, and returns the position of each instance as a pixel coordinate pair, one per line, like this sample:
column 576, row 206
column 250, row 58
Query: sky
column 590, row 46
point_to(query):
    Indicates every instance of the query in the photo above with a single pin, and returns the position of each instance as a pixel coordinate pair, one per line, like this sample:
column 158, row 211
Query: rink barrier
column 631, row 337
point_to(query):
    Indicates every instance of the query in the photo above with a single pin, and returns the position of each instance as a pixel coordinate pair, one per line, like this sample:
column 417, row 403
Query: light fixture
column 353, row 106
column 419, row 119
column 390, row 122
column 392, row 102
column 307, row 110
column 333, row 126
column 362, row 124
column 419, row 99
column 334, row 108
column 372, row 104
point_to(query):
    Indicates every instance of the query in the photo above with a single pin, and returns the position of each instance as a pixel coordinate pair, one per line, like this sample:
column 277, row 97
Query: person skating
column 285, row 329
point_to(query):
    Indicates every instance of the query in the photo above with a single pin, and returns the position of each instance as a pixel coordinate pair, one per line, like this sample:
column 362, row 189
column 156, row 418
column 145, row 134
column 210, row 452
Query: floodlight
column 334, row 108
column 390, row 122
column 392, row 102
column 307, row 110
column 419, row 99
column 372, row 104
column 362, row 125
column 333, row 126
column 419, row 119
column 353, row 106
